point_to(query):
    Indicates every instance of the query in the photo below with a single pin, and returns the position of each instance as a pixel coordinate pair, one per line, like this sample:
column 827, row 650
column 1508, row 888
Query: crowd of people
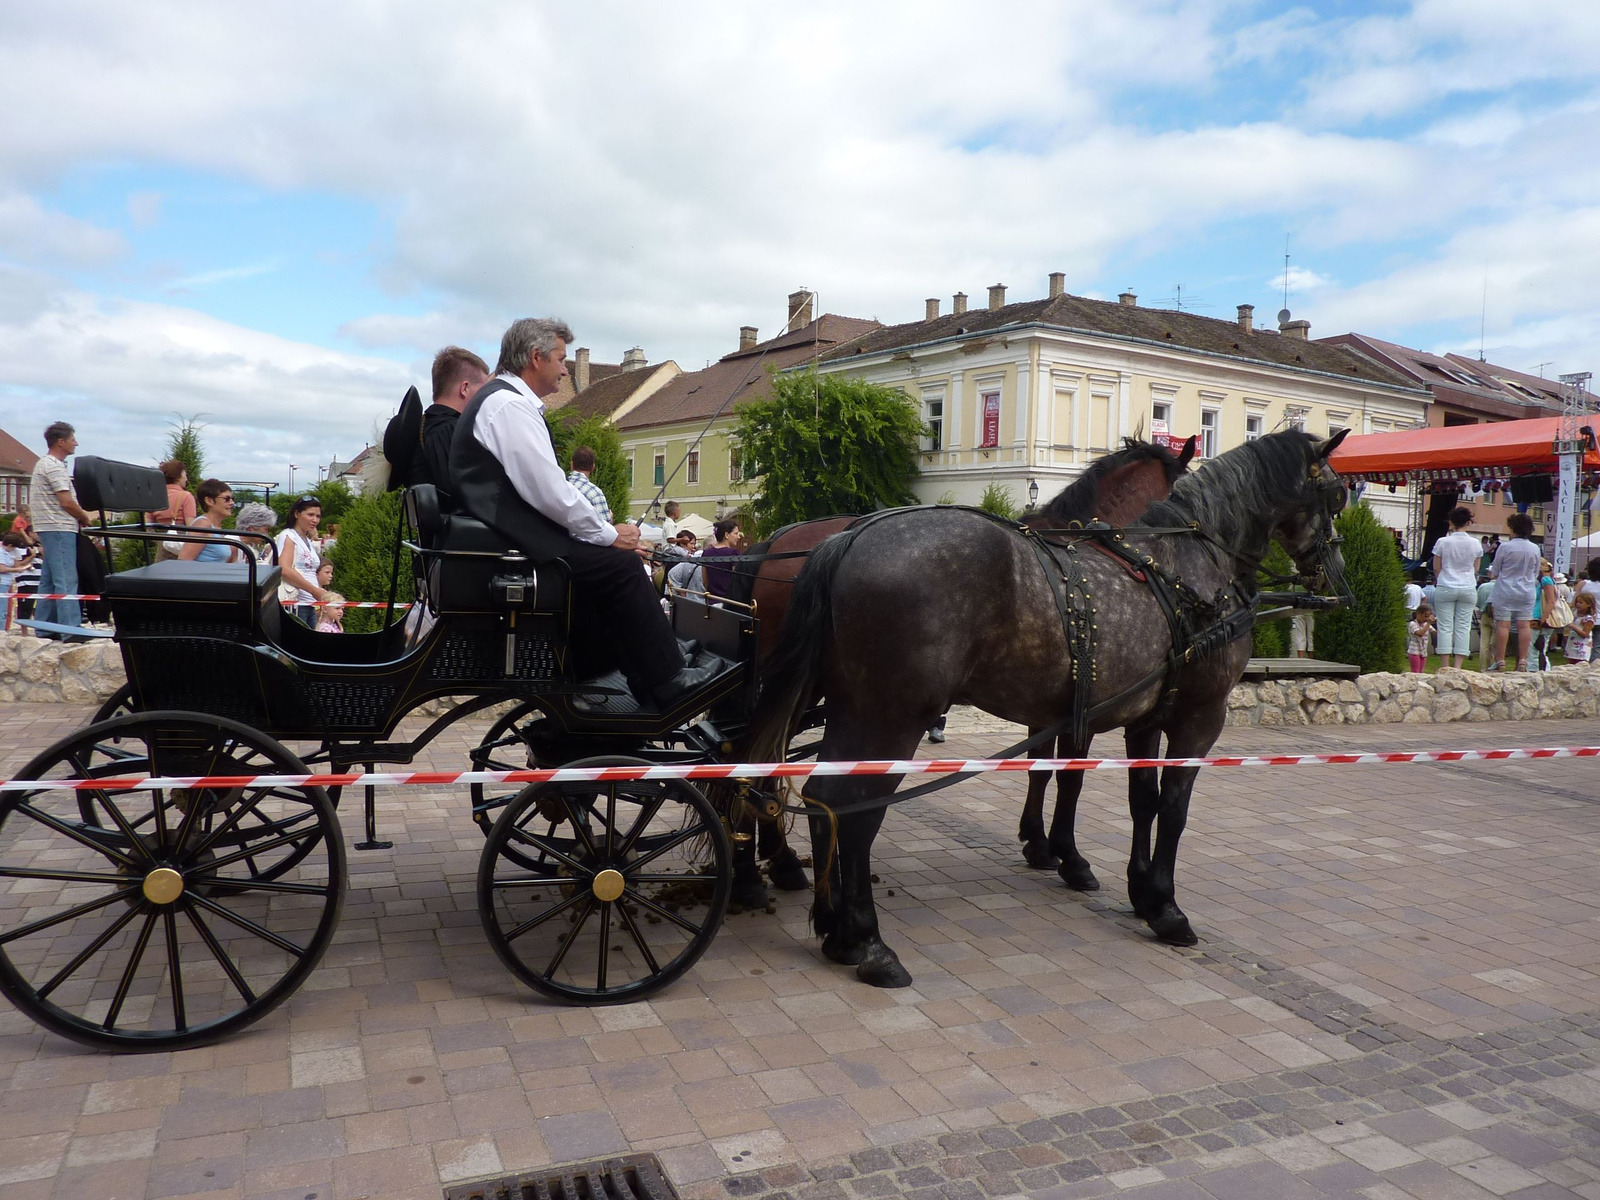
column 1522, row 610
column 198, row 526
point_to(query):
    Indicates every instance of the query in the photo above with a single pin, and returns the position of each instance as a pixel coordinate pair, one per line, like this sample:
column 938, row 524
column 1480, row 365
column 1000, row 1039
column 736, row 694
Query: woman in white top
column 298, row 557
column 1455, row 589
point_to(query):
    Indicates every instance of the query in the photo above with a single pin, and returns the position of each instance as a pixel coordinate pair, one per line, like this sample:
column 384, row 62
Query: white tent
column 695, row 524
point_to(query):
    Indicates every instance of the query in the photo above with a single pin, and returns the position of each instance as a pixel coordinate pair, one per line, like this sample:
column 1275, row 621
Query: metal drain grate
column 633, row 1177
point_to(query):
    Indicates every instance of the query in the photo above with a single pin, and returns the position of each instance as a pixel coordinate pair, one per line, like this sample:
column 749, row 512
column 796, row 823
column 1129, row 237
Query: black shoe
column 669, row 691
column 688, row 648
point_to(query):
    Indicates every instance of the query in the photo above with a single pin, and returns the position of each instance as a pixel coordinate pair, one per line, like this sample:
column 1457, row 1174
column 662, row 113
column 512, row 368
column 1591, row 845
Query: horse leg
column 857, row 939
column 749, row 890
column 788, row 875
column 1162, row 913
column 1073, row 867
column 1030, row 831
column 827, row 889
column 1144, row 803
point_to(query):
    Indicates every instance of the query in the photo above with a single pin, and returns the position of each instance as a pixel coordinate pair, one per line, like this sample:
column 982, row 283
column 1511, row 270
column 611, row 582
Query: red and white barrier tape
column 286, row 603
column 918, row 766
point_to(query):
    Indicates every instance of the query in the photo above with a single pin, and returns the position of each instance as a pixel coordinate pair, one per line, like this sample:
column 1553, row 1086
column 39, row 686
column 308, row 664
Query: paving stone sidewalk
column 1394, row 997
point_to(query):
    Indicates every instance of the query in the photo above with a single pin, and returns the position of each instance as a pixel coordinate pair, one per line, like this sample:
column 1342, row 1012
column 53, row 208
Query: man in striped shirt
column 582, row 468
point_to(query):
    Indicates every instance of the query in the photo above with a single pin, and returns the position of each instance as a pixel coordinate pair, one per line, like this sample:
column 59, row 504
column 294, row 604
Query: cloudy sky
column 272, row 215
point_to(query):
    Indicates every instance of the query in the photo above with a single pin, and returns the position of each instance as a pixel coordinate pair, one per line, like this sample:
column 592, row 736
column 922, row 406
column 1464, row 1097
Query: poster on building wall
column 1161, row 435
column 991, row 419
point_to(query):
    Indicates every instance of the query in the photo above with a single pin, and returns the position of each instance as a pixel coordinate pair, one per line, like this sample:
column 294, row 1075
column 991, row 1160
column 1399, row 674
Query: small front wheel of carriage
column 604, row 893
column 172, row 916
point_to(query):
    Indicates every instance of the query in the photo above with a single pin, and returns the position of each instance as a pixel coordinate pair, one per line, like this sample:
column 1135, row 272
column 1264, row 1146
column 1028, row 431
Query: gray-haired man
column 506, row 475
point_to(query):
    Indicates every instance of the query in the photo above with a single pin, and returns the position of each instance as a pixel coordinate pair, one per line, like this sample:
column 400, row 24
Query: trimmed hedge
column 1372, row 632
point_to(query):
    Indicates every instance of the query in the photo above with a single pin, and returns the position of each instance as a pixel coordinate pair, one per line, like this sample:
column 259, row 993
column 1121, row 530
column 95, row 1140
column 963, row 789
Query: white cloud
column 1300, row 279
column 119, row 371
column 33, row 234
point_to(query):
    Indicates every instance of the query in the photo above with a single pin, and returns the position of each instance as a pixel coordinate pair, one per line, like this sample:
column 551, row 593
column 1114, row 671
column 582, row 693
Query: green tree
column 363, row 557
column 183, row 444
column 1372, row 632
column 610, row 463
column 997, row 499
column 824, row 444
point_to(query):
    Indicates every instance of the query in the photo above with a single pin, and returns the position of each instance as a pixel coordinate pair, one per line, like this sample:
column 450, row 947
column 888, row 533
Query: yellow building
column 677, row 438
column 1032, row 392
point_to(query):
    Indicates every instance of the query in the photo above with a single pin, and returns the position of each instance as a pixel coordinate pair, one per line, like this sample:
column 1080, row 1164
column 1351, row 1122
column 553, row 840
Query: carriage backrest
column 105, row 484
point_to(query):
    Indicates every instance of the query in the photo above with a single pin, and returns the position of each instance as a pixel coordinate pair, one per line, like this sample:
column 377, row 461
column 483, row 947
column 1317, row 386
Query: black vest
column 484, row 490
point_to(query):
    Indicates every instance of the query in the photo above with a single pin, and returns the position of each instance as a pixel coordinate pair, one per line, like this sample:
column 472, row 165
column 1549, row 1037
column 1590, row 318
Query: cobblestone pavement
column 1394, row 996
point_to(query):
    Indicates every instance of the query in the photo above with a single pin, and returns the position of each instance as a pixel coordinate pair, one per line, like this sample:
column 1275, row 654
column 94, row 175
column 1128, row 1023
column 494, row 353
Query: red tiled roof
column 15, row 458
column 742, row 376
column 1154, row 325
column 606, row 395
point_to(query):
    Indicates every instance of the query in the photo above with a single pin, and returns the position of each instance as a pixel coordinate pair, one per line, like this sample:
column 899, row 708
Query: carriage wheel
column 177, row 915
column 118, row 704
column 604, row 893
column 119, row 749
column 502, row 749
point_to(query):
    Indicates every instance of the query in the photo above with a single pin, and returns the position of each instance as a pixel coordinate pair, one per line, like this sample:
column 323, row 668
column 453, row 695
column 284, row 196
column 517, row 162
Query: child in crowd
column 325, row 575
column 330, row 614
column 1580, row 634
column 16, row 556
column 1418, row 630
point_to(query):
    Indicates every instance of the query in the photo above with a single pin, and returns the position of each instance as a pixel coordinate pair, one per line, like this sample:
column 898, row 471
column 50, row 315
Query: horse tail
column 791, row 675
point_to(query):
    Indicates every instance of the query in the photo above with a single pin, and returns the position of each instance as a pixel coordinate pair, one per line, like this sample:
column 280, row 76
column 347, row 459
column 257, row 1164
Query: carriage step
column 633, row 1177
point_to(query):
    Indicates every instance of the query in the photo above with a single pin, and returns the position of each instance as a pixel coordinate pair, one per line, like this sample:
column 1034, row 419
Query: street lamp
column 292, row 469
column 1033, row 492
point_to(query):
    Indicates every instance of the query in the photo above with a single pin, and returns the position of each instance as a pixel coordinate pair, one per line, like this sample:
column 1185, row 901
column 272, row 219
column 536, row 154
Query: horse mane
column 1226, row 490
column 1079, row 499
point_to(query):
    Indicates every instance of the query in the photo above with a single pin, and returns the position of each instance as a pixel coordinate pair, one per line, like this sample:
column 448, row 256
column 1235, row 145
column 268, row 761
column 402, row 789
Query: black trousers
column 616, row 616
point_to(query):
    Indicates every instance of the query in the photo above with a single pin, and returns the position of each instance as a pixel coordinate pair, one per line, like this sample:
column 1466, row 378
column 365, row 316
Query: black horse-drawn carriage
column 161, row 918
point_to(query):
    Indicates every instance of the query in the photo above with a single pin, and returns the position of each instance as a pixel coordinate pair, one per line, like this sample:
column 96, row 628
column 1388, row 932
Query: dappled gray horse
column 891, row 653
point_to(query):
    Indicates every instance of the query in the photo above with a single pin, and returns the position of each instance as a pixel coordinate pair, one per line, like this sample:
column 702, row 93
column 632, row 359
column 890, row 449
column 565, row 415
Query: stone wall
column 37, row 669
column 1449, row 695
column 33, row 669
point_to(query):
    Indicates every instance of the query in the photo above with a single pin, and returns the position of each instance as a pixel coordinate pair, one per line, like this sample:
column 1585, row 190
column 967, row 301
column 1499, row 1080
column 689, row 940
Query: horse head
column 1117, row 488
column 1306, row 531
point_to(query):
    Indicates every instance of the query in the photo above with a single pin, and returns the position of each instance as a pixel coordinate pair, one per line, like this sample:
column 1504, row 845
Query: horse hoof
column 1079, row 879
column 787, row 873
column 882, row 969
column 749, row 893
column 1036, row 854
column 1173, row 928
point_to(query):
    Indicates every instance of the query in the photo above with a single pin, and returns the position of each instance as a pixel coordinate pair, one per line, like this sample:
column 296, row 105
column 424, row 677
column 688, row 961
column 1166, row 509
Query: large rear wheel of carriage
column 137, row 919
column 604, row 893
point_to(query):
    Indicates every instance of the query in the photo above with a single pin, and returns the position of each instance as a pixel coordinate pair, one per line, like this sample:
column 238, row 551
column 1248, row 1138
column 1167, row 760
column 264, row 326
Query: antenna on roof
column 1542, row 366
column 1283, row 313
column 1483, row 313
column 1179, row 301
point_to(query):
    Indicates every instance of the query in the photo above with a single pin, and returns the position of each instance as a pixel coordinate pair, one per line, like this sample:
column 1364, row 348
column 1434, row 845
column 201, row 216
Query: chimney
column 958, row 303
column 633, row 359
column 1247, row 318
column 800, row 303
column 931, row 309
column 1129, row 299
column 580, row 370
column 1058, row 283
column 1299, row 330
column 747, row 337
column 997, row 296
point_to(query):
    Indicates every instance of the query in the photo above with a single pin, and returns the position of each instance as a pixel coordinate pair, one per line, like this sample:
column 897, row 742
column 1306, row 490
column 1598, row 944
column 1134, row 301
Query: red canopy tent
column 1498, row 449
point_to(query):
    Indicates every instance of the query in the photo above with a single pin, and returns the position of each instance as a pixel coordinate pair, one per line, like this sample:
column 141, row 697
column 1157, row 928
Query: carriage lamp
column 1033, row 492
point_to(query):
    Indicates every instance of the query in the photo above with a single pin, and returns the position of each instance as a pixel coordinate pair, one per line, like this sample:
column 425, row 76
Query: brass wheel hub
column 607, row 885
column 163, row 885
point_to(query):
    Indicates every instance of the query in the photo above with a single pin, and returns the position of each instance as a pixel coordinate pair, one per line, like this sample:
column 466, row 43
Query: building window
column 735, row 468
column 630, row 470
column 1209, row 442
column 1160, row 411
column 659, row 477
column 1252, row 427
column 693, row 467
column 1295, row 418
column 933, row 418
column 989, row 414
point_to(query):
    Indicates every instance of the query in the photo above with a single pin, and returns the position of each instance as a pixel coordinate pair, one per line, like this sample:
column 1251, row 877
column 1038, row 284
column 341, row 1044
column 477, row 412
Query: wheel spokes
column 71, row 914
column 67, row 829
column 89, row 951
column 180, row 1018
column 249, row 926
column 665, row 913
column 571, row 936
column 221, row 955
column 126, row 982
column 535, row 922
column 638, row 939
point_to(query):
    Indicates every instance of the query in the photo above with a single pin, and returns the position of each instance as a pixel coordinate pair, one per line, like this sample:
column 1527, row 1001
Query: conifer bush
column 1372, row 632
column 363, row 558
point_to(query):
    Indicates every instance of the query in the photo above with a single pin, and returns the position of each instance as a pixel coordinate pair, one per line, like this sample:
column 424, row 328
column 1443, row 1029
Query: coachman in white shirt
column 505, row 474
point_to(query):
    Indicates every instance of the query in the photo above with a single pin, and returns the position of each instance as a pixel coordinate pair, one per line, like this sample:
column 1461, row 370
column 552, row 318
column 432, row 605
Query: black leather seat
column 465, row 556
column 195, row 594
